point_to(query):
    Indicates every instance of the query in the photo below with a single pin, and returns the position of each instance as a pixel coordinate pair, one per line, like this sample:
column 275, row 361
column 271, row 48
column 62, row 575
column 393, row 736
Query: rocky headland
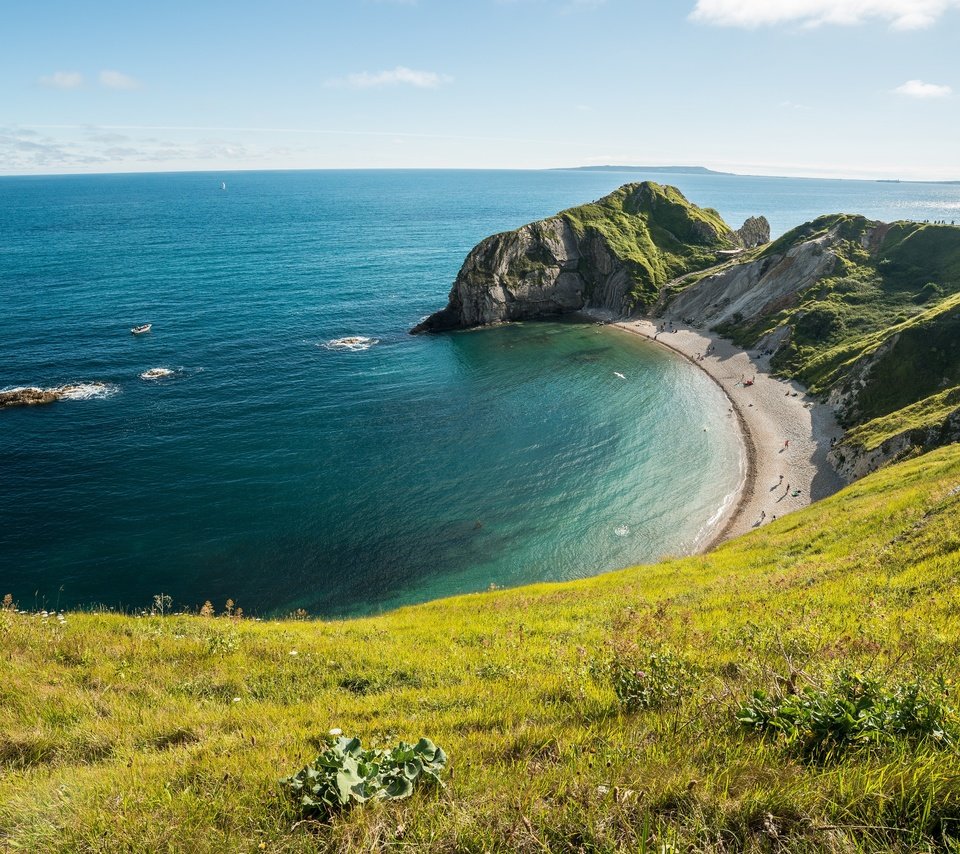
column 614, row 254
column 863, row 314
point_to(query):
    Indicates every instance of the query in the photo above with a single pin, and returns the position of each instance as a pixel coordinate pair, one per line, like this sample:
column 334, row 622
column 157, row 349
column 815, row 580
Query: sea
column 279, row 439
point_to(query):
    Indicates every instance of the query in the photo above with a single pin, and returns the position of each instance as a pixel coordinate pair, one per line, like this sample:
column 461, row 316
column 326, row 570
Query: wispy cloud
column 118, row 80
column 62, row 80
column 919, row 89
column 399, row 76
column 900, row 14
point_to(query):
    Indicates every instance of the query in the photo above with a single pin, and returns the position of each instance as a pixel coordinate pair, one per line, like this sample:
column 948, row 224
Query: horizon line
column 613, row 167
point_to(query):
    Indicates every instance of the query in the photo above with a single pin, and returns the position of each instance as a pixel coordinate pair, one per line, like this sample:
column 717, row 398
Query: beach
column 786, row 435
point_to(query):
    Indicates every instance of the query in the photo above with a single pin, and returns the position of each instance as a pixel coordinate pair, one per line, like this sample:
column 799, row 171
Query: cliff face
column 750, row 290
column 614, row 254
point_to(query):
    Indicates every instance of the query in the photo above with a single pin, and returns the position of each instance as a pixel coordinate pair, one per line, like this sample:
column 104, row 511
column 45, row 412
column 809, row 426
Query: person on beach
column 786, row 444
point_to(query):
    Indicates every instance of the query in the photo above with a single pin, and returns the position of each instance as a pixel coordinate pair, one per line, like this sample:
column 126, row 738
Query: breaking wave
column 354, row 343
column 156, row 374
column 85, row 391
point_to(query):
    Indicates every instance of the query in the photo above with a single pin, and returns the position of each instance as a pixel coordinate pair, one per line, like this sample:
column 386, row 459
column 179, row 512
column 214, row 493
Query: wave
column 353, row 343
column 157, row 374
column 86, row 391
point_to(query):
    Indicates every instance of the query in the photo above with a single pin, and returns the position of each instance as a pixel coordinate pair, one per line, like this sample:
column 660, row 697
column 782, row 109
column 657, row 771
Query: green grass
column 123, row 733
column 893, row 297
column 655, row 231
column 925, row 414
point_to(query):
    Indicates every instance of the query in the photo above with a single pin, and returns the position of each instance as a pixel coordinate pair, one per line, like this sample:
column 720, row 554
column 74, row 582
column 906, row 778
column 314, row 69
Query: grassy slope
column 907, row 286
column 121, row 733
column 930, row 412
column 655, row 231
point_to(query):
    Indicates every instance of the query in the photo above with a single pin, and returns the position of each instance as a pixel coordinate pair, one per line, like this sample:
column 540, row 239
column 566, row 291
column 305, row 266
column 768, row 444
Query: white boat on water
column 139, row 330
column 223, row 185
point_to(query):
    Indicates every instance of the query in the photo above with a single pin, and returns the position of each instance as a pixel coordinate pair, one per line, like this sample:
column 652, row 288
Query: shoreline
column 769, row 414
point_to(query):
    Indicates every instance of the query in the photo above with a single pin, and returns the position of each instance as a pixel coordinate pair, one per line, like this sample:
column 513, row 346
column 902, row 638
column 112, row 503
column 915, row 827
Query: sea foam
column 156, row 374
column 354, row 343
column 86, row 391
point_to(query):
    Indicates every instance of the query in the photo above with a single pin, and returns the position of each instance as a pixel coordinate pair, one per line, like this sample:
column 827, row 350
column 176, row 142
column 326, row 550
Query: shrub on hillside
column 647, row 680
column 853, row 710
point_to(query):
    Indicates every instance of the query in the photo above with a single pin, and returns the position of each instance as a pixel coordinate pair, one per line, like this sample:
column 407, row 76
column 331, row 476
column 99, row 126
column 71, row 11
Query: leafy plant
column 344, row 774
column 853, row 710
column 649, row 680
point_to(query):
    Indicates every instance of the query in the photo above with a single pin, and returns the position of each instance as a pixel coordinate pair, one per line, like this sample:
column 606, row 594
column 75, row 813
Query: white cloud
column 118, row 80
column 401, row 75
column 62, row 80
column 901, row 14
column 919, row 89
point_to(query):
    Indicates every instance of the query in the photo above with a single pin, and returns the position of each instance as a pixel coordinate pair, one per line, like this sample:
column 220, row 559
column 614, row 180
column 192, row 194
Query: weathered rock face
column 539, row 270
column 612, row 254
column 754, row 232
column 753, row 289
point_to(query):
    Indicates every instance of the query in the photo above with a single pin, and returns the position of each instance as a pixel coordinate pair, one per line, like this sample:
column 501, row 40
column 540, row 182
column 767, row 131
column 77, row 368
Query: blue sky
column 801, row 87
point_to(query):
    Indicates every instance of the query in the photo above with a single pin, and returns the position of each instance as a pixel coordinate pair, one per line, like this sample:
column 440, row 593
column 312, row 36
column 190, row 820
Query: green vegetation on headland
column 655, row 232
column 793, row 691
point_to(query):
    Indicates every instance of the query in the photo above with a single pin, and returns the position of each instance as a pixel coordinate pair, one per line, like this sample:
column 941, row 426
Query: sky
column 831, row 88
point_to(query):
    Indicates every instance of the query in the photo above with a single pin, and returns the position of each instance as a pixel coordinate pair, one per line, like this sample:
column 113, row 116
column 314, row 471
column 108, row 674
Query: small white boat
column 139, row 330
column 223, row 185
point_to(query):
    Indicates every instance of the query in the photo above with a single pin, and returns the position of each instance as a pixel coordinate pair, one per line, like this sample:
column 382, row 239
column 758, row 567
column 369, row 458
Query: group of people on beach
column 666, row 326
column 793, row 493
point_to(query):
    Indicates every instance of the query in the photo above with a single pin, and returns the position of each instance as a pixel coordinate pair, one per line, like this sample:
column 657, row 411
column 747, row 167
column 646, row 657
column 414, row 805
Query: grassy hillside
column 600, row 715
column 892, row 300
column 655, row 231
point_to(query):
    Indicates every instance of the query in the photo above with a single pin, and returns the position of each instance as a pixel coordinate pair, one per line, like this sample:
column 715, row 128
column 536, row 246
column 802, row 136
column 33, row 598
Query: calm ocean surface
column 284, row 474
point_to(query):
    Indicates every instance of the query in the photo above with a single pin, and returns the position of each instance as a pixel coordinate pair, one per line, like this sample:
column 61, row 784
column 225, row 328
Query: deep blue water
column 273, row 470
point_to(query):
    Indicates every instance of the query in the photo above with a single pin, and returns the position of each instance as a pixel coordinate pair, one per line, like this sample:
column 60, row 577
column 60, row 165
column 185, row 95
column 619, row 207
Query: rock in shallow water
column 28, row 396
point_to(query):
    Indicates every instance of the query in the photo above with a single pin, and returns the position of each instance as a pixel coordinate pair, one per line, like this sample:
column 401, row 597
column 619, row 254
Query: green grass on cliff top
column 925, row 414
column 121, row 733
column 657, row 232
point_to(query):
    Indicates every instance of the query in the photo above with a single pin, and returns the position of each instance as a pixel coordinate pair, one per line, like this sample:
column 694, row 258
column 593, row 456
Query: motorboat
column 139, row 330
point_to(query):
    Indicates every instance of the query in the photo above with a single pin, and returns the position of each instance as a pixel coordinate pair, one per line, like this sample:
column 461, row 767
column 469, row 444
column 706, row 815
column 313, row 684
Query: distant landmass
column 658, row 170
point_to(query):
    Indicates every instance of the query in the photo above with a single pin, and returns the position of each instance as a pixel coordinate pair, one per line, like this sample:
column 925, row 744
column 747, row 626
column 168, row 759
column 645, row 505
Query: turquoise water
column 274, row 470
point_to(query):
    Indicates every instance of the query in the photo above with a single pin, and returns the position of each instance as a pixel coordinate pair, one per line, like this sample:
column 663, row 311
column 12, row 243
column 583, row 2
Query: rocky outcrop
column 754, row 232
column 534, row 271
column 33, row 396
column 28, row 396
column 613, row 254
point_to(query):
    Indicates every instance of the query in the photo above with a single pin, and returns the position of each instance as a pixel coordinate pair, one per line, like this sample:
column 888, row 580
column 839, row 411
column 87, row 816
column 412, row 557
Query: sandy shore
column 771, row 413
